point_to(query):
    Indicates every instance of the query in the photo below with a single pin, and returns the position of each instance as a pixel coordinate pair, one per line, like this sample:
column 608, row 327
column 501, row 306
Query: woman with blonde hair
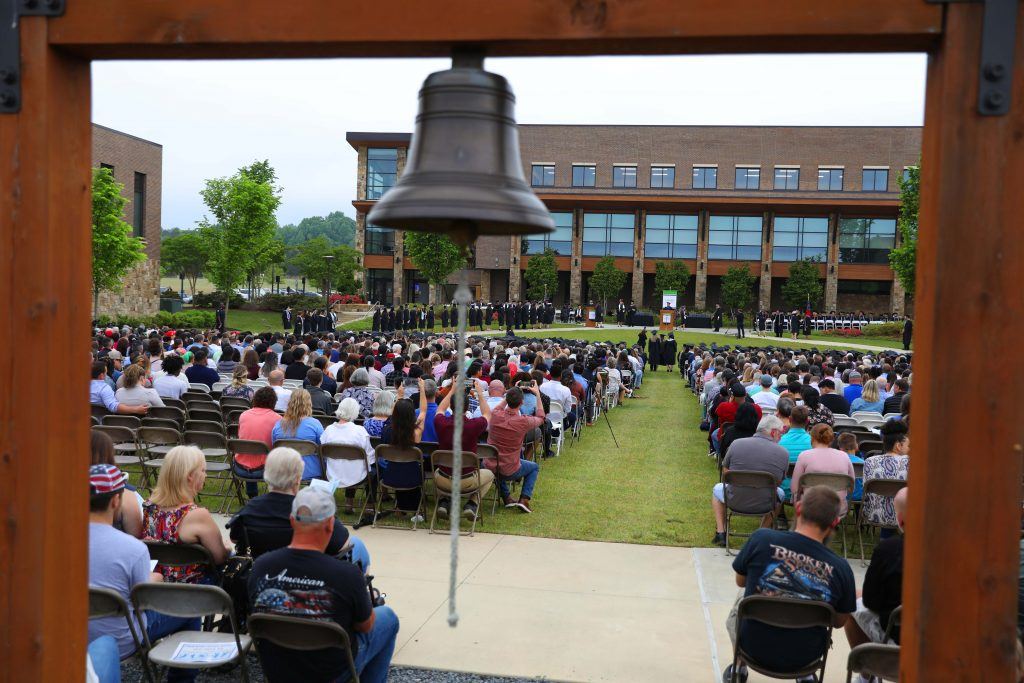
column 134, row 393
column 172, row 516
column 298, row 423
column 869, row 400
column 239, row 384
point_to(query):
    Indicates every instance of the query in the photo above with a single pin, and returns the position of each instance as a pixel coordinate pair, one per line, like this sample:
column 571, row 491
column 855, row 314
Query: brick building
column 711, row 196
column 137, row 164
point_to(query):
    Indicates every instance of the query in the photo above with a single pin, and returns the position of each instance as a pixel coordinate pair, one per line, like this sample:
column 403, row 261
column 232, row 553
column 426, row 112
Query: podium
column 667, row 320
column 590, row 316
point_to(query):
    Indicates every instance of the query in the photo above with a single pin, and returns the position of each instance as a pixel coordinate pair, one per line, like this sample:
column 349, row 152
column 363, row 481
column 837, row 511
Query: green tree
column 903, row 258
column 338, row 272
column 185, row 253
column 434, row 255
column 114, row 250
column 270, row 255
column 541, row 275
column 607, row 280
column 737, row 286
column 673, row 275
column 243, row 225
column 335, row 226
column 803, row 284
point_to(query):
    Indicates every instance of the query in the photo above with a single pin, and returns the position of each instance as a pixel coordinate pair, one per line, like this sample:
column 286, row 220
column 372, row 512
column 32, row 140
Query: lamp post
column 328, row 258
column 181, row 291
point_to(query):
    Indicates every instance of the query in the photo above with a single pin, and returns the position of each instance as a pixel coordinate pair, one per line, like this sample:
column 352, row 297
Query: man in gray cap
column 855, row 388
column 301, row 581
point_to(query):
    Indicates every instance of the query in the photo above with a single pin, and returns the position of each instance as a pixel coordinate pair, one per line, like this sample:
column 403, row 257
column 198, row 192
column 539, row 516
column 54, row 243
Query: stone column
column 832, row 267
column 700, row 292
column 359, row 275
column 899, row 297
column 515, row 276
column 576, row 263
column 398, row 272
column 764, row 299
column 361, row 174
column 485, row 284
column 638, row 257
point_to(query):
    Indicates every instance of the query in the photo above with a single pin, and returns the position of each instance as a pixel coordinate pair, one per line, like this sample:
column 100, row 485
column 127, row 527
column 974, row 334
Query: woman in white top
column 133, row 393
column 348, row 473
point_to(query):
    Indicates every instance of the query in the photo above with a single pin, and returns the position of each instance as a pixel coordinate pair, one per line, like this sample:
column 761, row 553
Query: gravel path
column 131, row 672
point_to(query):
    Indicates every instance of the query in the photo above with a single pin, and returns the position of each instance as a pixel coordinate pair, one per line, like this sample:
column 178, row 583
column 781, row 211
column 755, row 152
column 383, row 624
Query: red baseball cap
column 105, row 479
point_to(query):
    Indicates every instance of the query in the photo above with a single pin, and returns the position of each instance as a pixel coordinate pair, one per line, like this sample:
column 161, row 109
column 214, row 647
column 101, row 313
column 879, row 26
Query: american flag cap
column 105, row 479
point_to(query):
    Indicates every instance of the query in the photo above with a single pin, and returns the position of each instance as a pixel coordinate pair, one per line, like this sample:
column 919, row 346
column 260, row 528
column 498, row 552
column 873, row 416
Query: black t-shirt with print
column 790, row 565
column 883, row 583
column 307, row 583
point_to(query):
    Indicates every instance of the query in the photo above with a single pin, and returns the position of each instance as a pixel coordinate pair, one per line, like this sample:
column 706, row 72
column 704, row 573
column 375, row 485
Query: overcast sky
column 212, row 117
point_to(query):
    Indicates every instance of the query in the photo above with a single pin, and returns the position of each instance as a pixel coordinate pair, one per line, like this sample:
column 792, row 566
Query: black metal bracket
column 11, row 12
column 995, row 64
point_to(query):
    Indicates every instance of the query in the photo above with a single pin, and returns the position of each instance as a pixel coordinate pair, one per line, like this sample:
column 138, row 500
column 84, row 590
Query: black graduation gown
column 669, row 350
column 778, row 324
column 641, row 339
column 286, row 319
column 430, row 318
column 298, row 326
column 908, row 333
column 620, row 314
column 654, row 352
column 598, row 314
column 376, row 319
column 501, row 316
column 444, row 317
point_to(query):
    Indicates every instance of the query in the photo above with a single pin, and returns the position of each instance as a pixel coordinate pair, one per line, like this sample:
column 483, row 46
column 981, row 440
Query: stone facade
column 764, row 297
column 138, row 165
column 700, row 280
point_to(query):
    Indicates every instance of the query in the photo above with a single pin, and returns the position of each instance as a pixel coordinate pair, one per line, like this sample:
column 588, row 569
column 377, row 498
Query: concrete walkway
column 563, row 610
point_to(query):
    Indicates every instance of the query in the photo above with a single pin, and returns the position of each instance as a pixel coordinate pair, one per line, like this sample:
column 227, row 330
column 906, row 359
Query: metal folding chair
column 469, row 485
column 875, row 660
column 387, row 455
column 750, row 480
column 302, row 635
column 886, row 488
column 106, row 602
column 338, row 451
column 788, row 613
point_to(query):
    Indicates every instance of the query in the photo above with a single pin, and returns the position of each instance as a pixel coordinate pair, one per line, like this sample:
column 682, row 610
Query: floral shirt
column 820, row 415
column 163, row 525
column 364, row 397
column 374, row 427
column 877, row 509
column 243, row 391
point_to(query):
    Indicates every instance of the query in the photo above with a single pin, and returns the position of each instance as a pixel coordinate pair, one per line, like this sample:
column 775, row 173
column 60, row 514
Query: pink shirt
column 506, row 432
column 821, row 461
column 255, row 424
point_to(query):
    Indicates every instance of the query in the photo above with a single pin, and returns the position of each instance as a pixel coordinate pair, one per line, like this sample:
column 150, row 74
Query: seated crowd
column 775, row 411
column 372, row 390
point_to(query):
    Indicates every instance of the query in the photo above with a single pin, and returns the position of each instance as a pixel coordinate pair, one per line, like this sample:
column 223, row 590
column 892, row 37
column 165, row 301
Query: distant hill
column 336, row 227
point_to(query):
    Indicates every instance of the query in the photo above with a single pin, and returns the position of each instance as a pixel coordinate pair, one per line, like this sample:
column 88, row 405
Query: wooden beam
column 45, row 247
column 963, row 526
column 161, row 29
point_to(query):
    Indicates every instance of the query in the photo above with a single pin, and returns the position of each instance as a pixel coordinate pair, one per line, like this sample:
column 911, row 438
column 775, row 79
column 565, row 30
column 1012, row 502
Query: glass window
column 830, row 179
column 560, row 240
column 379, row 240
column 748, row 179
column 584, row 176
column 381, row 171
column 624, row 176
column 705, row 178
column 798, row 238
column 608, row 234
column 671, row 236
column 906, row 173
column 139, row 206
column 663, row 176
column 787, row 178
column 542, row 175
column 380, row 285
column 875, row 180
column 734, row 238
column 866, row 240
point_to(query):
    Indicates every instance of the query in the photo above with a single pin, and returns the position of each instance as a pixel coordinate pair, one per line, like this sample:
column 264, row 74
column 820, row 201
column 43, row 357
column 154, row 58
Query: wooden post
column 963, row 526
column 45, row 247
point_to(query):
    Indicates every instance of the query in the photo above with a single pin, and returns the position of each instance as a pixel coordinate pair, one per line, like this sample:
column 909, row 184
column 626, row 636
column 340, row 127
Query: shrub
column 278, row 302
column 889, row 330
column 204, row 300
column 346, row 299
column 184, row 319
column 847, row 332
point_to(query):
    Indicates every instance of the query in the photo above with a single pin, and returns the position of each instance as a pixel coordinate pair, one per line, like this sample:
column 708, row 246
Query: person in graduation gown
column 286, row 318
column 778, row 323
column 641, row 339
column 741, row 332
column 716, row 318
column 501, row 315
column 298, row 324
column 599, row 314
column 908, row 333
column 808, row 325
column 794, row 324
column 669, row 350
column 444, row 318
column 488, row 315
column 620, row 313
column 430, row 318
column 654, row 352
column 376, row 319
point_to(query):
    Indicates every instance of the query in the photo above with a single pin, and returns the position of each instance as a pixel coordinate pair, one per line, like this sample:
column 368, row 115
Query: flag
column 807, row 308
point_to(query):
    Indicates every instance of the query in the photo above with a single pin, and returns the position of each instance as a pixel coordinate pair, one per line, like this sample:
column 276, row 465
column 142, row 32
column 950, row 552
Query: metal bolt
column 994, row 71
column 8, row 77
column 994, row 99
column 8, row 100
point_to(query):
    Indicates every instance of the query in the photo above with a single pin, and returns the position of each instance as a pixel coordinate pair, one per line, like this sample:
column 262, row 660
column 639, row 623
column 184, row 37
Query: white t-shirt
column 283, row 396
column 170, row 386
column 347, row 472
column 139, row 396
column 766, row 398
column 558, row 393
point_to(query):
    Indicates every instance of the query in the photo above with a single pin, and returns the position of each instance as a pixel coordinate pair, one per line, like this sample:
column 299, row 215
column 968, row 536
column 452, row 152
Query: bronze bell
column 464, row 175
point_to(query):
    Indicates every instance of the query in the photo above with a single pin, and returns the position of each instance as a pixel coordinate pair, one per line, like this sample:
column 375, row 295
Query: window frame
column 375, row 191
column 800, row 233
column 139, row 204
column 544, row 167
column 662, row 186
column 370, row 247
column 747, row 171
column 623, row 168
column 702, row 170
column 831, row 170
column 608, row 227
column 584, row 167
column 670, row 231
column 775, row 178
column 544, row 240
column 735, row 244
column 880, row 254
column 874, row 175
